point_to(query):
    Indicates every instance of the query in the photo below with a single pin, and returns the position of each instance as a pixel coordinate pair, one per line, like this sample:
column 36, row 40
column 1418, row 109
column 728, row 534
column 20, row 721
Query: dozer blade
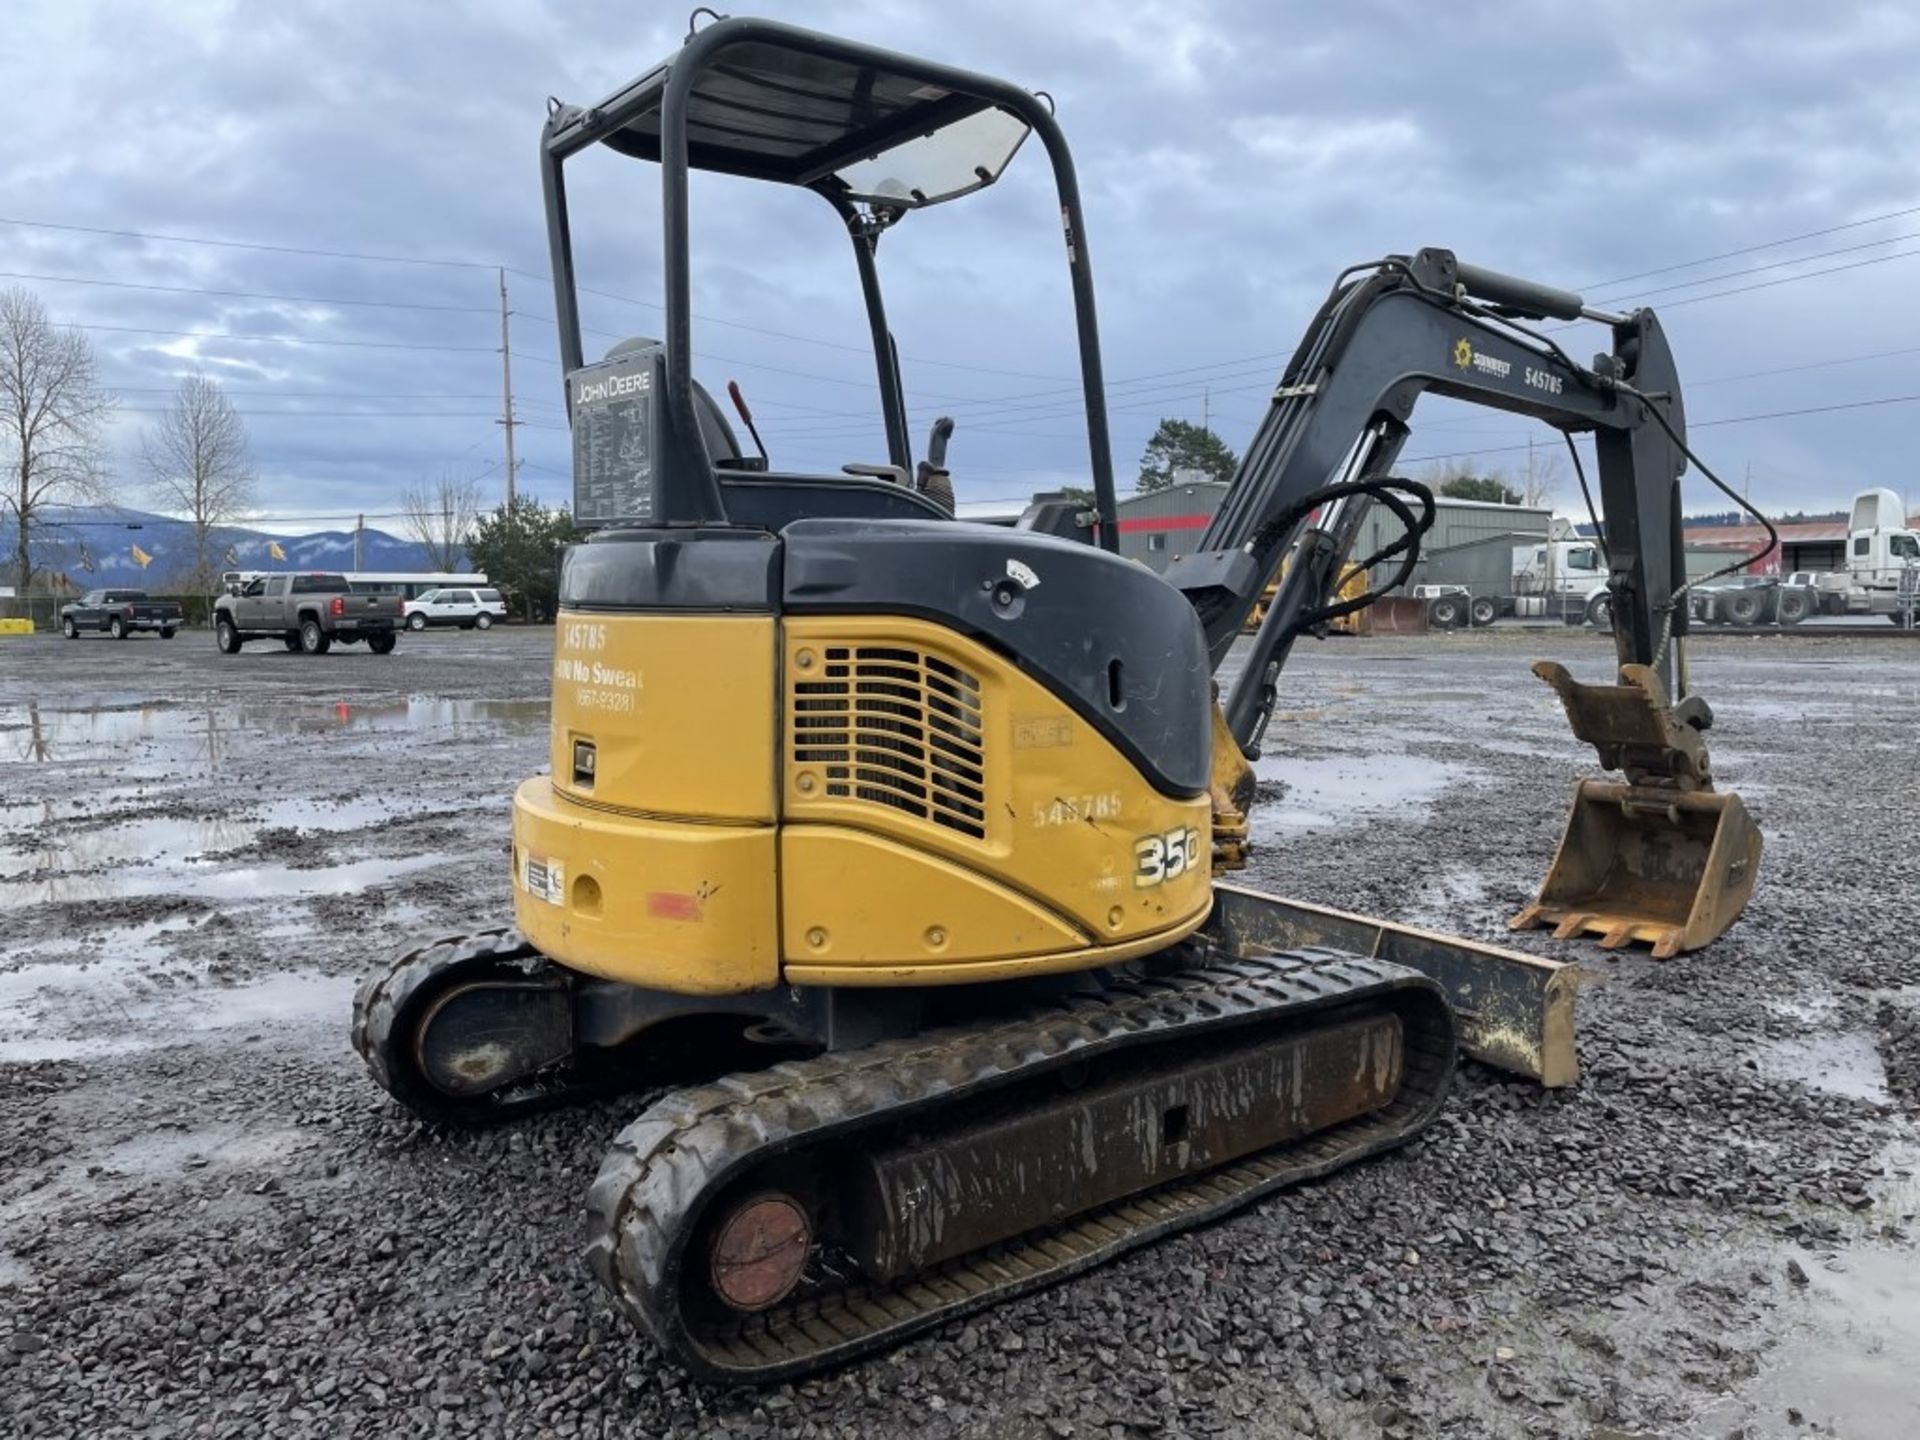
column 1663, row 859
column 1514, row 1012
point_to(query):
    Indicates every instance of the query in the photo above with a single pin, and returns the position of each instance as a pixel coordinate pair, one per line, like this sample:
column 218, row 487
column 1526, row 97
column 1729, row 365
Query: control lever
column 892, row 474
column 932, row 479
column 740, row 404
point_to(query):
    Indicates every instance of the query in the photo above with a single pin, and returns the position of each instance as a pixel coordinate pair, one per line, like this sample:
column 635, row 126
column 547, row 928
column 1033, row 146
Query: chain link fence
column 42, row 607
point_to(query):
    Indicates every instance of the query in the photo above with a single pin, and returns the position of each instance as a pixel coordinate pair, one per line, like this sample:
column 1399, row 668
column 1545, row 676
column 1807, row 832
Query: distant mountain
column 104, row 531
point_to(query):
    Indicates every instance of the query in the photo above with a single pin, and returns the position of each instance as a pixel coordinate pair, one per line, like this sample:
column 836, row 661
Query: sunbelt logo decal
column 1465, row 357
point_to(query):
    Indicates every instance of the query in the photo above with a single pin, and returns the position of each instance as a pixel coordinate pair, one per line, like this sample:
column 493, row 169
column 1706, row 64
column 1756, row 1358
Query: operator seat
column 771, row 500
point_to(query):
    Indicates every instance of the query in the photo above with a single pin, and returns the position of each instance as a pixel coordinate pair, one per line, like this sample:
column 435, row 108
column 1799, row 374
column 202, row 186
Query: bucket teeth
column 1663, row 859
column 1570, row 925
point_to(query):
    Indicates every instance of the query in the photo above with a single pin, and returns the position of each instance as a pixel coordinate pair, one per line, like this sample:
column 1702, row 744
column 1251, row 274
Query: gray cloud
column 1234, row 156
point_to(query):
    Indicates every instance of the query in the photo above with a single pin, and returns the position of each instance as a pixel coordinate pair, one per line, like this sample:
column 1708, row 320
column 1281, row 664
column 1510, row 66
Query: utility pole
column 359, row 544
column 506, row 385
column 1206, row 407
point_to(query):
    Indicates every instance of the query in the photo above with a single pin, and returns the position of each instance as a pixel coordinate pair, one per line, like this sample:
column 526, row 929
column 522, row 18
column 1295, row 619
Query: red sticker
column 672, row 905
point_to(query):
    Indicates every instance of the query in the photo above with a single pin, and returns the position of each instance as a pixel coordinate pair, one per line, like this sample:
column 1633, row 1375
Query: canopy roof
column 785, row 113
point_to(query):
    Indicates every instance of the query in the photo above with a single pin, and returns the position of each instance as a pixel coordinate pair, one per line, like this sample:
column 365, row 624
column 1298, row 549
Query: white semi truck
column 1883, row 563
column 1566, row 579
column 1550, row 579
column 1881, row 576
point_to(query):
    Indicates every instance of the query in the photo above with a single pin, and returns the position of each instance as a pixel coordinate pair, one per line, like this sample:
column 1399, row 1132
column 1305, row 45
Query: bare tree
column 1540, row 485
column 440, row 514
column 52, row 413
column 200, row 466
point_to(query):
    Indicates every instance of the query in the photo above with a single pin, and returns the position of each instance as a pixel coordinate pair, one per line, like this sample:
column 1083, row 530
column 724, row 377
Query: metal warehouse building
column 1466, row 533
column 1471, row 542
column 1163, row 523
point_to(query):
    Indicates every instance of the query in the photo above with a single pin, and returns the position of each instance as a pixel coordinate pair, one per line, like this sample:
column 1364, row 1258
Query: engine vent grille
column 896, row 726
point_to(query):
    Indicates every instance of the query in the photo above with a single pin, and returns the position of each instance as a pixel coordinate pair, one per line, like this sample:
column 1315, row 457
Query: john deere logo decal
column 1465, row 357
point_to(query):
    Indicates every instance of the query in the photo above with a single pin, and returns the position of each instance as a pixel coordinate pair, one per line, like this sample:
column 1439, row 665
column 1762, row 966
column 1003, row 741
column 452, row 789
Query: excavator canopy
column 795, row 115
column 877, row 135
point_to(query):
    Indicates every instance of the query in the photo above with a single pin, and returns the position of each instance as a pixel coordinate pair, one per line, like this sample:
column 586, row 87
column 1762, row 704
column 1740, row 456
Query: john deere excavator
column 885, row 846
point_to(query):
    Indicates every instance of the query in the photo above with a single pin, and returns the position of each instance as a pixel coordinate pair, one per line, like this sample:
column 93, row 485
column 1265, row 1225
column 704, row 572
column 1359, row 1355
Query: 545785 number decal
column 1160, row 858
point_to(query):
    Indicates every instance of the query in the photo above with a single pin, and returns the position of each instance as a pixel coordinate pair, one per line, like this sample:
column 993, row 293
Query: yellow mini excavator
column 883, row 848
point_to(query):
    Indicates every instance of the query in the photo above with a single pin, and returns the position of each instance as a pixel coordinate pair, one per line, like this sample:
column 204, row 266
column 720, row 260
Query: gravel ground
column 212, row 1224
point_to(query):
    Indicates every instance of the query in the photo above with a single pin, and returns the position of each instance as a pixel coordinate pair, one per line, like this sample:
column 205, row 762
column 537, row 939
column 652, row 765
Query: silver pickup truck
column 307, row 613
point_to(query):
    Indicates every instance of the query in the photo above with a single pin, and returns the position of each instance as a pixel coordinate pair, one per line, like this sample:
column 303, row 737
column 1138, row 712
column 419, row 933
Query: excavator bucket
column 1662, row 859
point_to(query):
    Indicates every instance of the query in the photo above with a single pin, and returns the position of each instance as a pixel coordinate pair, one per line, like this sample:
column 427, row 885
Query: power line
column 1751, row 249
column 1807, row 410
column 1131, row 393
column 331, row 414
column 1698, row 424
column 243, row 294
column 1757, row 269
column 1762, row 285
column 472, row 309
column 313, row 394
column 1790, row 279
column 1810, row 365
column 864, row 350
column 430, row 261
column 251, row 245
column 297, row 340
column 1117, row 398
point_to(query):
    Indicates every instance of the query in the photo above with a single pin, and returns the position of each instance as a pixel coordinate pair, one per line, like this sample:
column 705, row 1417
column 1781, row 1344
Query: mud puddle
column 209, row 880
column 164, row 837
column 1440, row 899
column 40, row 1026
column 1325, row 791
column 23, row 814
column 173, row 840
column 1841, row 1063
column 1813, row 1005
column 163, row 1154
column 1847, row 1365
column 46, row 734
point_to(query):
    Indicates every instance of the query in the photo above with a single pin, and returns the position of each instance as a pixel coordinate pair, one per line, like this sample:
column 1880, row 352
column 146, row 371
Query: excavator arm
column 1639, row 861
column 1346, row 401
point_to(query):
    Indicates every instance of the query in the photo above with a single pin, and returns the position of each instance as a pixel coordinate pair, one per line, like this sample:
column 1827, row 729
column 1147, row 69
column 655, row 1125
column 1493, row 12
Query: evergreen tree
column 1181, row 445
column 518, row 547
column 1480, row 487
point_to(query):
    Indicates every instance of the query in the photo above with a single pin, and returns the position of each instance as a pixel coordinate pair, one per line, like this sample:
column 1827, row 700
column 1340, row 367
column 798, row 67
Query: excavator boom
column 1637, row 863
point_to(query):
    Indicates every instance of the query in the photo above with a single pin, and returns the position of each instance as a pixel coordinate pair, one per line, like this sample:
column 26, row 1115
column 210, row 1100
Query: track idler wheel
column 470, row 1029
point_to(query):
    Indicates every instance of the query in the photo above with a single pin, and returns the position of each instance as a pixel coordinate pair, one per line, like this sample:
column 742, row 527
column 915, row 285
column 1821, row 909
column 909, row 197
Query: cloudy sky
column 364, row 167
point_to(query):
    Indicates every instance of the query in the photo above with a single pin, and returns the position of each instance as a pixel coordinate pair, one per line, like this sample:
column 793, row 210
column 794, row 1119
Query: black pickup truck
column 306, row 612
column 119, row 613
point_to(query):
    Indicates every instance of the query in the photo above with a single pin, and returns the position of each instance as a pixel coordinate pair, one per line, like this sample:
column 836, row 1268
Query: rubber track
column 382, row 1000
column 693, row 1144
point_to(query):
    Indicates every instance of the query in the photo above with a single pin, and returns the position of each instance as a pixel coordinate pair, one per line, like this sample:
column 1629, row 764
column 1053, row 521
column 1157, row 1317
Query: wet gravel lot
column 212, row 1224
